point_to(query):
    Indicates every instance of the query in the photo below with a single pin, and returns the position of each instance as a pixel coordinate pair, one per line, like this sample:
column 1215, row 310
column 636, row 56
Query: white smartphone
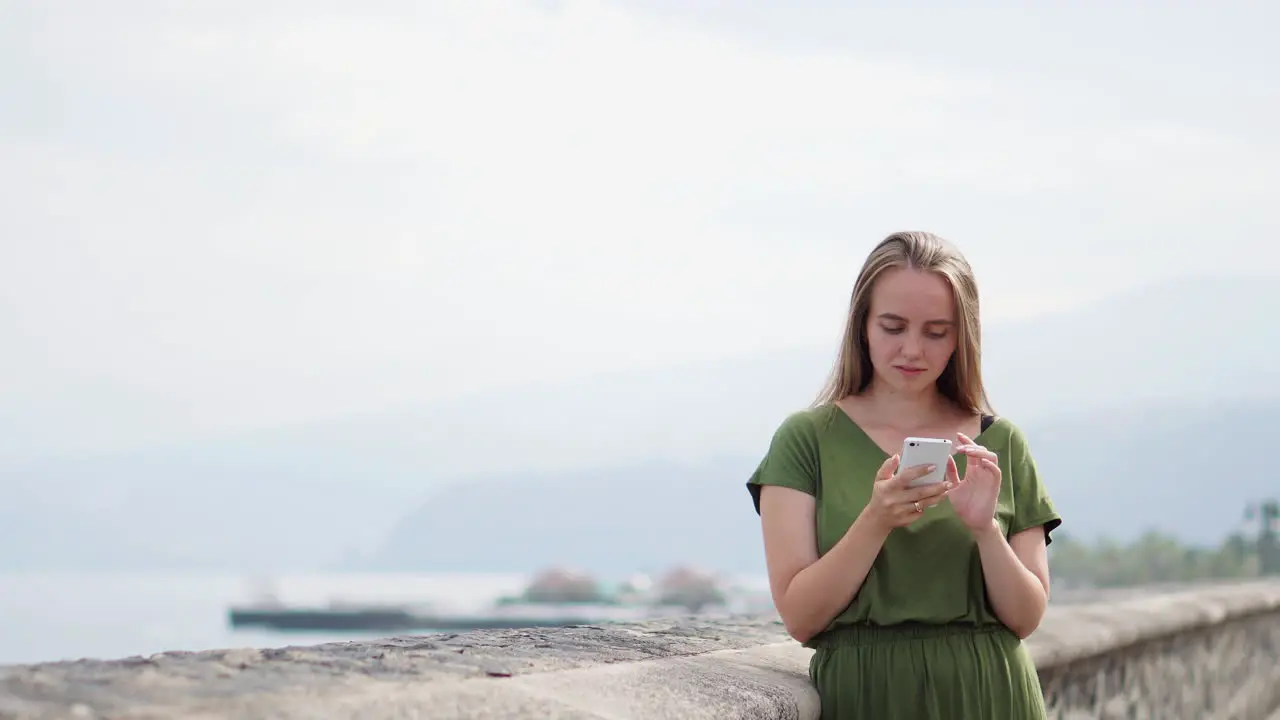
column 925, row 451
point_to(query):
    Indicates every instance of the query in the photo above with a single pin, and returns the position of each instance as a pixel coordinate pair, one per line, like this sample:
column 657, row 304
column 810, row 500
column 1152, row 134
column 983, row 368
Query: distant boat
column 556, row 597
column 374, row 618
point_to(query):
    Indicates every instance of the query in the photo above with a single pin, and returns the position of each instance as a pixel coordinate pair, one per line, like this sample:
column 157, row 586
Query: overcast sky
column 217, row 215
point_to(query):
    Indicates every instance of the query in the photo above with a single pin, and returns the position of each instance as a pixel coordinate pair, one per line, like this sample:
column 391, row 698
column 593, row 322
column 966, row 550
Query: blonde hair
column 961, row 381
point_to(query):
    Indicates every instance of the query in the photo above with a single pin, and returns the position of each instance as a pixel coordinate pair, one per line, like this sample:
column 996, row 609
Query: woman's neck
column 905, row 410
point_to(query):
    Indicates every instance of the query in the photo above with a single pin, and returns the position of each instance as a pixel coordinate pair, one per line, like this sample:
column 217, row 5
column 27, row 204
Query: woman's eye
column 898, row 330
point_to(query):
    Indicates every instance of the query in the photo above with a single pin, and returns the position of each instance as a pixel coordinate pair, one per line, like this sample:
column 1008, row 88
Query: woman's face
column 911, row 330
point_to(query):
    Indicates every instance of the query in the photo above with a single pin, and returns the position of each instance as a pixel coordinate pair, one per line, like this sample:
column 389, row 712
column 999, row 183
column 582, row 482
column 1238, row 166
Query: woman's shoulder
column 810, row 421
column 804, row 429
column 1003, row 432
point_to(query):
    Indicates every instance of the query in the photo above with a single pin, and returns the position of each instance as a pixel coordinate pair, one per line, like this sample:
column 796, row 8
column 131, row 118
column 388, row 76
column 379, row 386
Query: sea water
column 54, row 616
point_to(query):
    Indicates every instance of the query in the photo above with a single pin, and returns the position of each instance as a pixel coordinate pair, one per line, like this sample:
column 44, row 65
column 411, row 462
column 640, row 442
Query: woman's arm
column 1016, row 573
column 809, row 591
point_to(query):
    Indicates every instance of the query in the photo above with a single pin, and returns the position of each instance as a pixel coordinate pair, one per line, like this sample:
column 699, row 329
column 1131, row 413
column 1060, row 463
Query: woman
column 915, row 600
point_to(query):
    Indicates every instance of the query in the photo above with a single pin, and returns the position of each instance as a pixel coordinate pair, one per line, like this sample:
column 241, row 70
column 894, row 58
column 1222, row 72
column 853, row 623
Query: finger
column 907, row 511
column 925, row 492
column 911, row 509
column 965, row 444
column 985, row 464
column 953, row 472
column 887, row 468
column 976, row 452
column 915, row 472
column 932, row 502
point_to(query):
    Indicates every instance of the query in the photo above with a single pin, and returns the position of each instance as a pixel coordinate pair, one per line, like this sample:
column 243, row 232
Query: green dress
column 920, row 640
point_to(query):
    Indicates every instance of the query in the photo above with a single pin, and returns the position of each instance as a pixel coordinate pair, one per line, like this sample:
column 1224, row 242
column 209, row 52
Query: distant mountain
column 299, row 497
column 296, row 498
column 610, row 520
column 1185, row 469
column 1181, row 470
column 1200, row 340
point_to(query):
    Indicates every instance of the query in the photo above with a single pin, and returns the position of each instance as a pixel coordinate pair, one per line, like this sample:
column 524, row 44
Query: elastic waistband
column 862, row 635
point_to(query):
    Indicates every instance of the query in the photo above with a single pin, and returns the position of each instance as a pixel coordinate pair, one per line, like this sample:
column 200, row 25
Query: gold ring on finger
column 918, row 508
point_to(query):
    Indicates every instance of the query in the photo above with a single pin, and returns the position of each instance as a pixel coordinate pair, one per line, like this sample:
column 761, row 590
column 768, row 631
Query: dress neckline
column 984, row 424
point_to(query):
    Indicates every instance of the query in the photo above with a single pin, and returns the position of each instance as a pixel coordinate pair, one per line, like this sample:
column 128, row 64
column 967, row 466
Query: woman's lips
column 909, row 371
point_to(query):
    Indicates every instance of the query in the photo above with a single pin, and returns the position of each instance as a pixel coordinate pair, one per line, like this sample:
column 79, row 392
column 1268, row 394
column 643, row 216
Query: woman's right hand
column 894, row 503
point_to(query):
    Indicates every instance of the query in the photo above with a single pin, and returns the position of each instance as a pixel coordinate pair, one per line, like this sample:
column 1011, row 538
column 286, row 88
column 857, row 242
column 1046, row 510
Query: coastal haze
column 418, row 299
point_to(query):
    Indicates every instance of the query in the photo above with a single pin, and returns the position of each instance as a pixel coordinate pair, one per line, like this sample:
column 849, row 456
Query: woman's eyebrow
column 899, row 318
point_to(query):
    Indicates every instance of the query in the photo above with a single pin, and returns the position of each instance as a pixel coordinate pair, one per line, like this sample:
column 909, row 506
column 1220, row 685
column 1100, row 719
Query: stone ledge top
column 678, row 667
column 1073, row 632
column 740, row 667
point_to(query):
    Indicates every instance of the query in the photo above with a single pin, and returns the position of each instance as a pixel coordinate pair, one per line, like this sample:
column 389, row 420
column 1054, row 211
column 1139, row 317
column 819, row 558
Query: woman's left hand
column 974, row 497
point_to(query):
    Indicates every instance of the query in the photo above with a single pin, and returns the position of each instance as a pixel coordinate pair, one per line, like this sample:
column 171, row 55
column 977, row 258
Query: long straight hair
column 961, row 381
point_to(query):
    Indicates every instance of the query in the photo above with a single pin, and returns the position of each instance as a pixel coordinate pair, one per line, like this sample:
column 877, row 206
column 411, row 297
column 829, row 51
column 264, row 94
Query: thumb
column 887, row 468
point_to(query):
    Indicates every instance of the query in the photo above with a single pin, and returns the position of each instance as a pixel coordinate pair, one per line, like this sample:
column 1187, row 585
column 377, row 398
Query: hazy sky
column 233, row 213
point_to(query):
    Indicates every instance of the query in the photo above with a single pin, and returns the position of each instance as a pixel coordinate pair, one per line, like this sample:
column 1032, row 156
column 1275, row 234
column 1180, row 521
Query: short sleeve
column 1032, row 505
column 792, row 459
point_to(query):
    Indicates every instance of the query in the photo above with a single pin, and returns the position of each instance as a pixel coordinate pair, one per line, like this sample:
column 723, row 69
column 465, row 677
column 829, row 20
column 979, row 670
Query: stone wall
column 1211, row 653
column 1201, row 654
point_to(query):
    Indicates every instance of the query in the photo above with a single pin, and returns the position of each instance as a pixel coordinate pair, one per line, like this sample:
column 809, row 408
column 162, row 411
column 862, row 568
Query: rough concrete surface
column 1195, row 649
column 692, row 668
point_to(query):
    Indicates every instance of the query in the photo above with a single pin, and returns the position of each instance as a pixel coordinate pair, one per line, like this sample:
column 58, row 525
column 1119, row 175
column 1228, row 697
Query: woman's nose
column 911, row 346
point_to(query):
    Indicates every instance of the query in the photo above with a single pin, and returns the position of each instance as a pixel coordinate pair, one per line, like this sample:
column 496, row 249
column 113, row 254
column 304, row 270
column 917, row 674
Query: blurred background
column 325, row 320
